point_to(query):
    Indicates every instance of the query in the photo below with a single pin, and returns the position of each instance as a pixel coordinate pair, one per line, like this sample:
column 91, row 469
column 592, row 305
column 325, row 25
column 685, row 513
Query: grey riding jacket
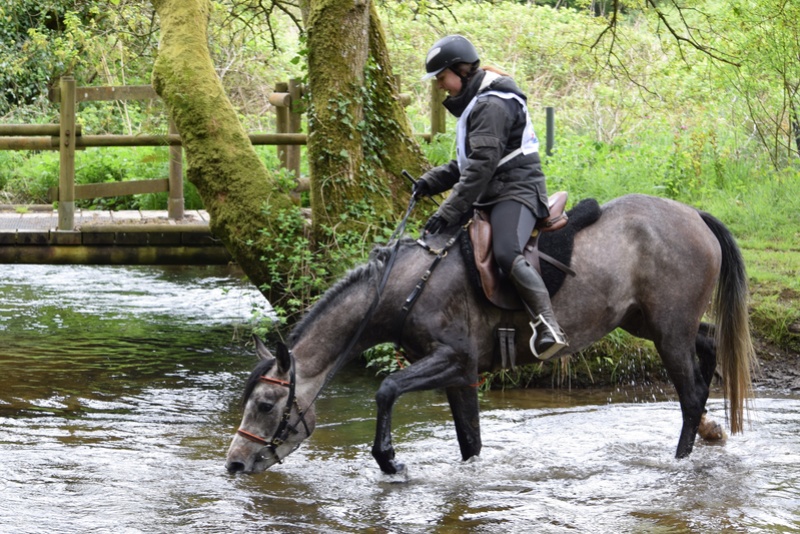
column 498, row 156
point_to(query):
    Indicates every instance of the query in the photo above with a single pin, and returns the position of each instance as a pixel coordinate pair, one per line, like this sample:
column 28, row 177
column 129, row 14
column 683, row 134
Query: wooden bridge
column 31, row 235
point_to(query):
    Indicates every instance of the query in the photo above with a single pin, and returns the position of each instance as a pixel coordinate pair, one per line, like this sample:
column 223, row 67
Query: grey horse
column 649, row 265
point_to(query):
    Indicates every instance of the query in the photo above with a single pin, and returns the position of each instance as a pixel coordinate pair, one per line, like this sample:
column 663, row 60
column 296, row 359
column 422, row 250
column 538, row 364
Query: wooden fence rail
column 67, row 137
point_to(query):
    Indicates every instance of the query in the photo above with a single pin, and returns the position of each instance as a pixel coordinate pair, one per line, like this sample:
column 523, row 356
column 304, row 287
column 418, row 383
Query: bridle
column 284, row 427
column 282, row 432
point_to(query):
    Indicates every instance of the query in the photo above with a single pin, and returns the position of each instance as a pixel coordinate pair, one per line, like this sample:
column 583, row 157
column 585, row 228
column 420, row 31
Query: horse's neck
column 342, row 324
column 336, row 334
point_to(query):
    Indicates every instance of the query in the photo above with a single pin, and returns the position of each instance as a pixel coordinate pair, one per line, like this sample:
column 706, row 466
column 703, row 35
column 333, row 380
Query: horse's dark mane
column 262, row 368
column 365, row 272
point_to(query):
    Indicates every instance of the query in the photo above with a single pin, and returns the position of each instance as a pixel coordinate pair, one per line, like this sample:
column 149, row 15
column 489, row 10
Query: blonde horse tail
column 735, row 353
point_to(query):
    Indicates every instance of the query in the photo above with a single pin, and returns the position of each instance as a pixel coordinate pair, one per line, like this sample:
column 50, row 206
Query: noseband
column 282, row 432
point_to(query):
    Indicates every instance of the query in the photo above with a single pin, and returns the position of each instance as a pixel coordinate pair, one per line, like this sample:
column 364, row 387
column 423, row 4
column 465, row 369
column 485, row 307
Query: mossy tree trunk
column 390, row 124
column 337, row 52
column 359, row 136
column 221, row 162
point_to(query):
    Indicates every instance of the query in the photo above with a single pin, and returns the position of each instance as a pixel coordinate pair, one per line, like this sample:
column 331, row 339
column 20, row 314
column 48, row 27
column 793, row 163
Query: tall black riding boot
column 547, row 338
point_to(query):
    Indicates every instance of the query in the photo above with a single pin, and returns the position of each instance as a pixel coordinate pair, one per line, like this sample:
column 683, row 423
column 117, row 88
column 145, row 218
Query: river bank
column 779, row 368
column 621, row 360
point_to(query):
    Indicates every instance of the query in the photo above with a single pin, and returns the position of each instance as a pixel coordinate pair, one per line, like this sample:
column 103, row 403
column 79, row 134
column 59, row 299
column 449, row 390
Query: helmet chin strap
column 465, row 79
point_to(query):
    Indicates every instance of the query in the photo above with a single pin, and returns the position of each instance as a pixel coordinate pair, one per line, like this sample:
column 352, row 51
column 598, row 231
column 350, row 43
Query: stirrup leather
column 560, row 341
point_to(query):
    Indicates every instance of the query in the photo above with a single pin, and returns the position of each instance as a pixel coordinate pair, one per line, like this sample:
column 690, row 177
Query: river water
column 120, row 389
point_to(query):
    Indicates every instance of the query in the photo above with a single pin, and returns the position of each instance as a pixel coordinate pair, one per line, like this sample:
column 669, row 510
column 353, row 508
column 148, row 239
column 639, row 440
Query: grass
column 775, row 294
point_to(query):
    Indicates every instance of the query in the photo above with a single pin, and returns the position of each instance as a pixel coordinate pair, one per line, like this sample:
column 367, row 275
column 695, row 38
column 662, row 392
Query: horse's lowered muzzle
column 235, row 467
column 239, row 465
column 243, row 457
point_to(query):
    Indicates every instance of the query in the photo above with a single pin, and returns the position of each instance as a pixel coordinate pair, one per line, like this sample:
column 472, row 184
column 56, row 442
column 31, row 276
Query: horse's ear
column 284, row 358
column 261, row 350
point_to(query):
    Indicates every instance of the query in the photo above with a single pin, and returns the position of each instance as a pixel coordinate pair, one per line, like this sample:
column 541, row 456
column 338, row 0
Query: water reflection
column 119, row 391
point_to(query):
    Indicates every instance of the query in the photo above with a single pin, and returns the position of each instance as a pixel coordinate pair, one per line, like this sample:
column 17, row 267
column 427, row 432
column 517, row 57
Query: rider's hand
column 435, row 224
column 421, row 189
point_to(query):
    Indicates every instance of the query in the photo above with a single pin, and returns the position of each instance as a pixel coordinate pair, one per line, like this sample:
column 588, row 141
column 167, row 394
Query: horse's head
column 275, row 421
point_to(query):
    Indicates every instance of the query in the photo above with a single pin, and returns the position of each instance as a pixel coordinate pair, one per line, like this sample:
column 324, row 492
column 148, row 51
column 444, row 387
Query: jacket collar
column 457, row 104
column 479, row 82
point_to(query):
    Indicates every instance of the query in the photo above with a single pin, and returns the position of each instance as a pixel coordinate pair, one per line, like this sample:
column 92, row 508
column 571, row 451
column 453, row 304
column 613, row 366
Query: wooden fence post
column 438, row 112
column 175, row 203
column 66, row 148
column 295, row 111
column 282, row 123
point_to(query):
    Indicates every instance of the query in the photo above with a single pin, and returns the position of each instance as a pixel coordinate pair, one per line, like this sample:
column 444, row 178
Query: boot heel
column 559, row 340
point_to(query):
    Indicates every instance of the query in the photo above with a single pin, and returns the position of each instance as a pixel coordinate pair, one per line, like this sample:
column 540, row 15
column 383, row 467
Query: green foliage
column 373, row 122
column 27, row 179
column 37, row 41
column 762, row 36
column 41, row 41
column 773, row 269
column 385, row 359
column 8, row 162
column 441, row 149
column 291, row 256
column 619, row 359
column 698, row 167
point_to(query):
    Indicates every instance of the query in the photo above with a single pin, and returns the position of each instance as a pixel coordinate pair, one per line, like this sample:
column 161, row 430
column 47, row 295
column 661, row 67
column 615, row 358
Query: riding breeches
column 512, row 224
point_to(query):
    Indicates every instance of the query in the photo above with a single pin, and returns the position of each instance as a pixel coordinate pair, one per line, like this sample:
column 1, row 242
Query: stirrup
column 558, row 336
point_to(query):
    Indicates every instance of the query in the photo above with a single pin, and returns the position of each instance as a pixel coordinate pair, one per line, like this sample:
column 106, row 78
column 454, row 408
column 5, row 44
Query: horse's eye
column 265, row 407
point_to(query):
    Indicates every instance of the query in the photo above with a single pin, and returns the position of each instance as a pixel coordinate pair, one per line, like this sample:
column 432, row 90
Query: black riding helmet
column 448, row 52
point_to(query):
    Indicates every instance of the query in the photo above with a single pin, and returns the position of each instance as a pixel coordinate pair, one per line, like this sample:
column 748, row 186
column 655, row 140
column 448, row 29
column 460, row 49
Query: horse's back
column 645, row 257
column 660, row 227
column 649, row 229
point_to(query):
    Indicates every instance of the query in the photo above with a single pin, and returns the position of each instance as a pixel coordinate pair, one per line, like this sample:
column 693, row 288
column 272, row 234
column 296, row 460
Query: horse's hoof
column 393, row 468
column 399, row 476
column 711, row 431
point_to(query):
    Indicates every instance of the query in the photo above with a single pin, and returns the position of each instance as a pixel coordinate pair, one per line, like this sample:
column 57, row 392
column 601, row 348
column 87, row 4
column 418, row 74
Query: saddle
column 496, row 286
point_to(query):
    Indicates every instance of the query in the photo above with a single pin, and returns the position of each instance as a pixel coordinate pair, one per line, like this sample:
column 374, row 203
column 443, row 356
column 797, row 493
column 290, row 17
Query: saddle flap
column 480, row 233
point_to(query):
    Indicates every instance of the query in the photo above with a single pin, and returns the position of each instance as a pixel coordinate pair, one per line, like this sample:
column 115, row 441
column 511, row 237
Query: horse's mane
column 362, row 273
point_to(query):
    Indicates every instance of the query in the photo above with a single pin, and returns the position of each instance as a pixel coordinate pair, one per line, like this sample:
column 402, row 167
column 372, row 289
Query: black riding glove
column 421, row 189
column 435, row 224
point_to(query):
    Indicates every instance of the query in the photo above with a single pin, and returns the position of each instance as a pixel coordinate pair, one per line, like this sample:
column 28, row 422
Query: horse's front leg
column 464, row 405
column 443, row 368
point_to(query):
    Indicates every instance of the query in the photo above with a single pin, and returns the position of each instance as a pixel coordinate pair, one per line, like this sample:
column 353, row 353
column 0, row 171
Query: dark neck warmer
column 457, row 104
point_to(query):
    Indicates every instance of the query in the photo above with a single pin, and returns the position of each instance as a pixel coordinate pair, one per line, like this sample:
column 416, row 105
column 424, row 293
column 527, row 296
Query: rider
column 497, row 168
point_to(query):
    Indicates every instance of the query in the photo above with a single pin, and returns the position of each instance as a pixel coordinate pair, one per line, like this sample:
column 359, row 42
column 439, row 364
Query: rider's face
column 449, row 81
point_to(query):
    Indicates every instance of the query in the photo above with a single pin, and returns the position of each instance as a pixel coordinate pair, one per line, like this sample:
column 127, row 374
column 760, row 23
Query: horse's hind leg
column 706, row 349
column 464, row 405
column 690, row 383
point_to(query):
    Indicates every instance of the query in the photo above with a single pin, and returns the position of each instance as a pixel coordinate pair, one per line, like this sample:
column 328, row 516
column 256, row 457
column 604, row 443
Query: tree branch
column 690, row 40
